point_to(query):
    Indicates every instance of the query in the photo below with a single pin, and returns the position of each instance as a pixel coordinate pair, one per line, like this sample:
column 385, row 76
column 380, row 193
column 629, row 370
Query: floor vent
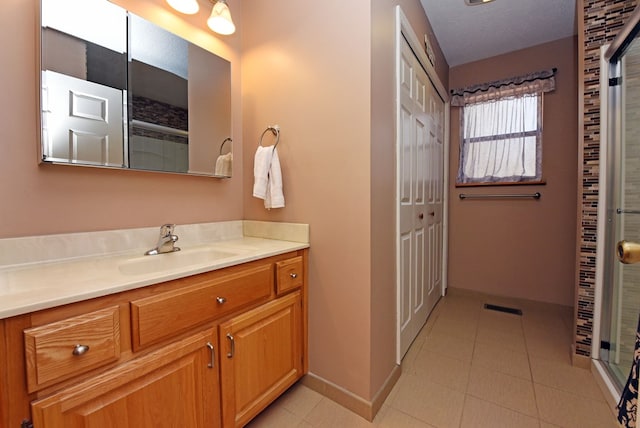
column 506, row 309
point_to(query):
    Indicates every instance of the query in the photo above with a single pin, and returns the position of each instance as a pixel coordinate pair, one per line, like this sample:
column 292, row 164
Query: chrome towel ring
column 275, row 130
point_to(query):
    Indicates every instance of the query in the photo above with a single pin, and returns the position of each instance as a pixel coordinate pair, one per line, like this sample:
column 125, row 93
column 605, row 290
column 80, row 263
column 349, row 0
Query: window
column 501, row 140
column 501, row 129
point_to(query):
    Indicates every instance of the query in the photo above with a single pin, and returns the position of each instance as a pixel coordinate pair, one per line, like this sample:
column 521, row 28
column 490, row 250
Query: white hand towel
column 261, row 165
column 268, row 177
column 275, row 197
column 224, row 165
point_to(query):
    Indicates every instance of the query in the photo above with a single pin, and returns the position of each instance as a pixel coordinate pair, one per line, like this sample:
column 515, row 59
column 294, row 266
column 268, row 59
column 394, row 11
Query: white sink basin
column 170, row 261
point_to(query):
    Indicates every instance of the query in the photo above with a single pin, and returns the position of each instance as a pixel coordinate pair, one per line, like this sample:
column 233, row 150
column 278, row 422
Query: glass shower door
column 622, row 281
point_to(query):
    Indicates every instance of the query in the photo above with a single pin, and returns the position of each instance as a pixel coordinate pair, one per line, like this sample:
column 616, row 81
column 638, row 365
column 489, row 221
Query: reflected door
column 82, row 121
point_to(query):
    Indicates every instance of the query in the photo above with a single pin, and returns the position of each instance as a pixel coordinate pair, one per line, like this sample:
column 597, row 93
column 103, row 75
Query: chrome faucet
column 166, row 242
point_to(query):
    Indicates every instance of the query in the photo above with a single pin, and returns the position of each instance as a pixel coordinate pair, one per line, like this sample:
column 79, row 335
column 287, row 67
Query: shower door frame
column 611, row 163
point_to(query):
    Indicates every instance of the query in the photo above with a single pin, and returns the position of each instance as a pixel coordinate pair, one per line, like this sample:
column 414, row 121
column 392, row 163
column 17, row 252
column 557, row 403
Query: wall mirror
column 121, row 92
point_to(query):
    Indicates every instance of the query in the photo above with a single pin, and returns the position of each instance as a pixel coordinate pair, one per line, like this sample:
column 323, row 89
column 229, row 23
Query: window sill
column 505, row 183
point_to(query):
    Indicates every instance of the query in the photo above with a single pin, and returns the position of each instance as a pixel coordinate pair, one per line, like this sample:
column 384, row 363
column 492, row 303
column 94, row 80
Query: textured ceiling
column 469, row 33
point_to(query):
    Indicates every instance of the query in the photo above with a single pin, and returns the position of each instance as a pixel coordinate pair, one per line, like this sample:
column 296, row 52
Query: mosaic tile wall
column 602, row 21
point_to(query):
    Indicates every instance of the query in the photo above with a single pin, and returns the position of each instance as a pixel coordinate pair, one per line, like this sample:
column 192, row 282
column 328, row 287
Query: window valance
column 541, row 81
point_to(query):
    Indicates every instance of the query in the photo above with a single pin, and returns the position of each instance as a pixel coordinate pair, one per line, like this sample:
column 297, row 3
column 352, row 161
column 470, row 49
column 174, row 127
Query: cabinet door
column 261, row 356
column 175, row 386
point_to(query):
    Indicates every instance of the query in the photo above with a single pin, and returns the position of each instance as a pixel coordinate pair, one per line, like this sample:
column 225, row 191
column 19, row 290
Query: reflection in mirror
column 148, row 101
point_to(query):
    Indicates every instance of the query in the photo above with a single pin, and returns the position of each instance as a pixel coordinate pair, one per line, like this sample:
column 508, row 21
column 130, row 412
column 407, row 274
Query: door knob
column 421, row 216
column 628, row 252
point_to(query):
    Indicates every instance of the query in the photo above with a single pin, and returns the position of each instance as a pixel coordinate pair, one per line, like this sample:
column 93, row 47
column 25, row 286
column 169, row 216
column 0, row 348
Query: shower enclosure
column 619, row 215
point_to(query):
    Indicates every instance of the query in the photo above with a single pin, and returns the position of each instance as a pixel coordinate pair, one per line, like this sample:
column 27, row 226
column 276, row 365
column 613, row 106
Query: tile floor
column 471, row 367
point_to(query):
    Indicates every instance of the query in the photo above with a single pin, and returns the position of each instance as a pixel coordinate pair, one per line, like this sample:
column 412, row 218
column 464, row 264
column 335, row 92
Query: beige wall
column 521, row 248
column 45, row 199
column 326, row 77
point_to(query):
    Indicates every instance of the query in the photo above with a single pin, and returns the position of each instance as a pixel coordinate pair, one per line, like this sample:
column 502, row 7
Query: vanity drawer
column 159, row 317
column 290, row 274
column 63, row 349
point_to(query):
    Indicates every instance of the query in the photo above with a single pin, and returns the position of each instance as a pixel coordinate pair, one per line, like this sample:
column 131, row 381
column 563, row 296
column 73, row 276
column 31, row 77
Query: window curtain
column 501, row 129
column 539, row 82
column 501, row 141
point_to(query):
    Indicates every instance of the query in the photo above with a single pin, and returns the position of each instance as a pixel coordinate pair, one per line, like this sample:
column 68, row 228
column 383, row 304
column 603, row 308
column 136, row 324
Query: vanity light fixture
column 188, row 7
column 220, row 20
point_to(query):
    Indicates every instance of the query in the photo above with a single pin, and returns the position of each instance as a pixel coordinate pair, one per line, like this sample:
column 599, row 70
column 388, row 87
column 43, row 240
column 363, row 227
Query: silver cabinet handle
column 221, row 300
column 293, row 275
column 212, row 350
column 232, row 343
column 80, row 350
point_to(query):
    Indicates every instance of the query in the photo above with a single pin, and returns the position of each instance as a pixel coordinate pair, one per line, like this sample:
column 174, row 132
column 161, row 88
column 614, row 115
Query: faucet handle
column 167, row 229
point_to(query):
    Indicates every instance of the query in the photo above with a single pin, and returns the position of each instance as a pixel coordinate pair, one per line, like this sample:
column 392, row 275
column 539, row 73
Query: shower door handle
column 628, row 252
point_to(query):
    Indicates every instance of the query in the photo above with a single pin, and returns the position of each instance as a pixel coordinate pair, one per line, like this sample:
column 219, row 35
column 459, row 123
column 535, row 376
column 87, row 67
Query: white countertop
column 29, row 287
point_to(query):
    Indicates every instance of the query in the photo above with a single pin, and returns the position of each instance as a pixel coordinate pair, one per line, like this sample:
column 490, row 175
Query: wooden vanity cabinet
column 261, row 357
column 175, row 386
column 153, row 360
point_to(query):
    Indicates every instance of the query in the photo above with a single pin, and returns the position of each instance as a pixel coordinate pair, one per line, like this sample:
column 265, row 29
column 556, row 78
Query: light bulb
column 188, row 7
column 220, row 20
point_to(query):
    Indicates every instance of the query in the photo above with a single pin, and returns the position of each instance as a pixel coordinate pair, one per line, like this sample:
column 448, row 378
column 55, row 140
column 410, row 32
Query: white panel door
column 435, row 197
column 81, row 121
column 419, row 190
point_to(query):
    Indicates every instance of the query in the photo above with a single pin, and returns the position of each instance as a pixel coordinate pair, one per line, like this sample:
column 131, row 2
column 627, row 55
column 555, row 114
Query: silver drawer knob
column 293, row 275
column 221, row 300
column 80, row 349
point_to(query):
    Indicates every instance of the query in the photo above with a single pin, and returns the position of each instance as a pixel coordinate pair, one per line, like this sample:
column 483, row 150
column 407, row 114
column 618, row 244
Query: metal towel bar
column 500, row 196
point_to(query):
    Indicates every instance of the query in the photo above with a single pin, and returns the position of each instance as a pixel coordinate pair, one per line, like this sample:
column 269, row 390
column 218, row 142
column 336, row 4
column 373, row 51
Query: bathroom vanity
column 211, row 346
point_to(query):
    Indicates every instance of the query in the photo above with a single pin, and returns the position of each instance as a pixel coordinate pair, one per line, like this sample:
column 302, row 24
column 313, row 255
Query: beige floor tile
column 429, row 402
column 550, row 347
column 396, row 419
column 466, row 304
column 482, row 414
column 275, row 416
column 549, row 322
column 569, row 410
column 466, row 309
column 441, row 369
column 499, row 321
column 502, row 360
column 502, row 339
column 451, row 346
column 552, row 327
column 507, row 391
column 412, row 353
column 328, row 414
column 299, row 400
column 428, row 326
column 566, row 377
column 455, row 325
column 544, row 424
